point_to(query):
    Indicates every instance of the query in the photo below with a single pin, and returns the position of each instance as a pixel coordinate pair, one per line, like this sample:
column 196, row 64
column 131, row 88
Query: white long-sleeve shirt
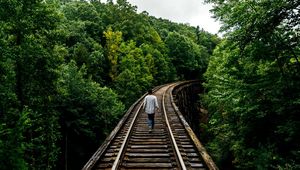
column 150, row 103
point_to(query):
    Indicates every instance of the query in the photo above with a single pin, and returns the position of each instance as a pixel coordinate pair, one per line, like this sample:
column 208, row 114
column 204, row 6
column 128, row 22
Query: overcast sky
column 194, row 12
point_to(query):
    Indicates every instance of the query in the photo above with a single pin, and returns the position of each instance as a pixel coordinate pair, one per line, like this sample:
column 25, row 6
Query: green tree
column 162, row 69
column 253, row 85
column 113, row 41
column 57, row 57
column 189, row 59
column 12, row 122
column 87, row 14
column 82, row 33
column 26, row 28
column 88, row 112
column 135, row 76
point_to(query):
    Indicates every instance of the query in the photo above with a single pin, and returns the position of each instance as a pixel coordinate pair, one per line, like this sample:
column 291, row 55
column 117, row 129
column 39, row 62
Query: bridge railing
column 93, row 160
column 180, row 89
column 183, row 93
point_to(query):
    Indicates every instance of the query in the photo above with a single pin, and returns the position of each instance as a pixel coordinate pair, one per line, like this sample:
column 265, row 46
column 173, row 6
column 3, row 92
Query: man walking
column 150, row 104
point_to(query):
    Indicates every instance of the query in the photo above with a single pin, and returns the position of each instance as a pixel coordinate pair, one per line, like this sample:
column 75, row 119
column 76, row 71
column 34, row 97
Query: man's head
column 150, row 91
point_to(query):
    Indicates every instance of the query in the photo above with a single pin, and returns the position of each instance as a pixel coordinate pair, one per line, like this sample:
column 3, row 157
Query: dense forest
column 253, row 86
column 69, row 69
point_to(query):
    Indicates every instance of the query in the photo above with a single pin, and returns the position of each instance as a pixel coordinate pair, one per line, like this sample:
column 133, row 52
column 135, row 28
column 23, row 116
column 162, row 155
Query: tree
column 88, row 112
column 189, row 59
column 134, row 76
column 60, row 61
column 83, row 31
column 12, row 123
column 162, row 69
column 26, row 27
column 87, row 14
column 253, row 85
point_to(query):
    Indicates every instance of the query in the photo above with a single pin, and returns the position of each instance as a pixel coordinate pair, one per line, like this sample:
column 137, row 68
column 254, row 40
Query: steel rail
column 117, row 160
column 107, row 141
column 201, row 149
column 126, row 134
column 171, row 134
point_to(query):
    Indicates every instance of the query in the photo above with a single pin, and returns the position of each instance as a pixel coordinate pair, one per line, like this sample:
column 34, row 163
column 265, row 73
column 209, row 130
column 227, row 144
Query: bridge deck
column 171, row 145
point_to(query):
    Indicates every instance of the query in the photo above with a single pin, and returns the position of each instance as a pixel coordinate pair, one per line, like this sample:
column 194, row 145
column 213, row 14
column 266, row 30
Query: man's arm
column 144, row 104
column 156, row 103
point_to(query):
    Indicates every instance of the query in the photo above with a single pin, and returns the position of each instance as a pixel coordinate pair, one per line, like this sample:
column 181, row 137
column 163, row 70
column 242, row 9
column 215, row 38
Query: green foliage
column 84, row 101
column 253, row 86
column 12, row 140
column 187, row 57
column 86, row 14
column 28, row 25
column 113, row 41
column 161, row 69
column 135, row 76
column 66, row 66
column 82, row 34
column 88, row 111
column 250, row 105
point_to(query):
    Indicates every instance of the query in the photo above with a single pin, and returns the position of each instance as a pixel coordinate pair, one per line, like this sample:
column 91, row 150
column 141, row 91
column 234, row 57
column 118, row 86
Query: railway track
column 171, row 145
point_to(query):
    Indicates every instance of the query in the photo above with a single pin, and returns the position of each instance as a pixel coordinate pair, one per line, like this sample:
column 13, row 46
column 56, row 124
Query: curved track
column 169, row 146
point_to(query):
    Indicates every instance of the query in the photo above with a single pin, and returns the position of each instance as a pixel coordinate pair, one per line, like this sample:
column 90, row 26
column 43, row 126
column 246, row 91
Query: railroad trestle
column 172, row 144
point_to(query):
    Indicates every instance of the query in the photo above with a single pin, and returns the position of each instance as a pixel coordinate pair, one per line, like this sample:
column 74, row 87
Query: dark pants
column 151, row 120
